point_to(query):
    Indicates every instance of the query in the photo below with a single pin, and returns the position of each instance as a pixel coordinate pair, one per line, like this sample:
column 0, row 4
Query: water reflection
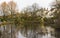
column 30, row 34
column 19, row 35
column 39, row 36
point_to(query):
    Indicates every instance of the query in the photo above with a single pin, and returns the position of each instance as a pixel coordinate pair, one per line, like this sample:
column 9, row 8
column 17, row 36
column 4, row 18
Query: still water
column 39, row 36
column 19, row 35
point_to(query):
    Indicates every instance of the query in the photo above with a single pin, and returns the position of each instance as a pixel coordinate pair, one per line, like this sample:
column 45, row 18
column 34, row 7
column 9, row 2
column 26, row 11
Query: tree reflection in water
column 38, row 35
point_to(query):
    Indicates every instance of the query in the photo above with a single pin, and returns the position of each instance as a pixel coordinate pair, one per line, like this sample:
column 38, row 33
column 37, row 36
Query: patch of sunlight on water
column 20, row 36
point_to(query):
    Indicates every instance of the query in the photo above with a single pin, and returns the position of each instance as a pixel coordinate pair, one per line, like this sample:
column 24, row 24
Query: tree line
column 31, row 20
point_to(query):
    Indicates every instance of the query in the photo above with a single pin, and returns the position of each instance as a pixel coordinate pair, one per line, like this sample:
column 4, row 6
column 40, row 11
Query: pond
column 50, row 34
column 19, row 35
column 39, row 36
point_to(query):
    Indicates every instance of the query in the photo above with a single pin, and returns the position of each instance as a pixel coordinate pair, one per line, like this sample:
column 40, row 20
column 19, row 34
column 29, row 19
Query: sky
column 24, row 3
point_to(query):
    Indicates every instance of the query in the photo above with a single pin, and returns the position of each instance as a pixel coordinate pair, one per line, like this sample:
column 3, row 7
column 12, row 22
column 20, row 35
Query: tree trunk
column 4, row 32
column 57, row 32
